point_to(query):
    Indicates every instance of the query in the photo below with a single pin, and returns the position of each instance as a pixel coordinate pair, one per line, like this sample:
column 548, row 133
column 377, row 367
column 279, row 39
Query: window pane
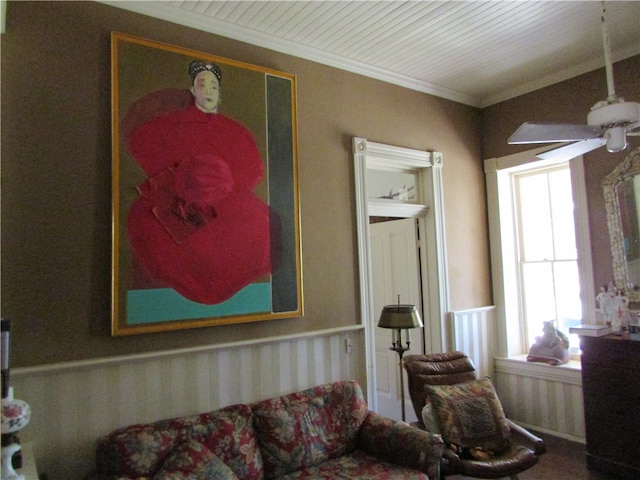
column 535, row 223
column 398, row 185
column 538, row 297
column 568, row 292
column 549, row 270
column 562, row 214
column 568, row 300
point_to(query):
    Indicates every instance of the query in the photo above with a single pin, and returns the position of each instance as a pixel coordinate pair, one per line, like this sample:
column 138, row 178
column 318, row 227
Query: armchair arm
column 533, row 445
column 450, row 464
column 527, row 438
column 401, row 444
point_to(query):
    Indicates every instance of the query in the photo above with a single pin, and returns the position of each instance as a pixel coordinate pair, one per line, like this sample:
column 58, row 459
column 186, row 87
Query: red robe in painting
column 197, row 225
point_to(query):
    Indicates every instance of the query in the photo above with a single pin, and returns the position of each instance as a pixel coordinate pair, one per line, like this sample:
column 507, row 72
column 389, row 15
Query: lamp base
column 8, row 473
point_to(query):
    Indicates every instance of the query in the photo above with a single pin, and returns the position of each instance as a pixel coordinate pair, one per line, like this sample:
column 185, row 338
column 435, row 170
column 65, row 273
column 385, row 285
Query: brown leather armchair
column 455, row 367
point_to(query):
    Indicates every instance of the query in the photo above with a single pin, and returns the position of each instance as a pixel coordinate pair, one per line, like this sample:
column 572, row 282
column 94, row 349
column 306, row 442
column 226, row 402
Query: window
column 540, row 248
column 549, row 283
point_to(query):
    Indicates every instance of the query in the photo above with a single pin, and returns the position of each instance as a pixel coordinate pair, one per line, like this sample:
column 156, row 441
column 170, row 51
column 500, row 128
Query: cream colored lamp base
column 8, row 473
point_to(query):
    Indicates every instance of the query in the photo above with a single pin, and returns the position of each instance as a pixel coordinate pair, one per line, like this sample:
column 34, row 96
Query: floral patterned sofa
column 323, row 432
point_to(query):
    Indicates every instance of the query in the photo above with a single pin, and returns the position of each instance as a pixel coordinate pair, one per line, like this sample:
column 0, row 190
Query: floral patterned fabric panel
column 310, row 427
column 193, row 461
column 357, row 465
column 141, row 450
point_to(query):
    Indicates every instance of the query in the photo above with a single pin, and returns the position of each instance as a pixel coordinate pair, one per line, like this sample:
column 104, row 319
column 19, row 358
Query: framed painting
column 205, row 207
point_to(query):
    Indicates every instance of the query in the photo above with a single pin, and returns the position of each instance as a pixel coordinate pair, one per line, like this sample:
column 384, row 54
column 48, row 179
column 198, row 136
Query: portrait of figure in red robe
column 197, row 225
column 205, row 203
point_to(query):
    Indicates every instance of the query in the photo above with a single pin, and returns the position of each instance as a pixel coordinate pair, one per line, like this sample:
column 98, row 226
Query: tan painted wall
column 56, row 190
column 569, row 102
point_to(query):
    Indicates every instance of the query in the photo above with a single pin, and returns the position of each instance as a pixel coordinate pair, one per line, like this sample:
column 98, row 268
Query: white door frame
column 435, row 293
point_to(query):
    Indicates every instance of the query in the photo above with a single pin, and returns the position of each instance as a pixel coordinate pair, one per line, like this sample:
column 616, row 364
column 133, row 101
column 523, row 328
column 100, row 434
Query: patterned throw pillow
column 470, row 415
column 191, row 460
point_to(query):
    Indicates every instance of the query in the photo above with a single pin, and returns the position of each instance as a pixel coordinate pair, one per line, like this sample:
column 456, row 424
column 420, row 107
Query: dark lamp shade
column 400, row 317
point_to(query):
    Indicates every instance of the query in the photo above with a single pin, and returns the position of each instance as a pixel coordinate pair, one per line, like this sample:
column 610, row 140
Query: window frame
column 552, row 258
column 511, row 338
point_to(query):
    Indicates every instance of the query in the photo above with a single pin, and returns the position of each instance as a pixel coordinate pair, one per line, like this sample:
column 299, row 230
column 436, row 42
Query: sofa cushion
column 307, row 428
column 141, row 450
column 470, row 415
column 191, row 460
column 357, row 465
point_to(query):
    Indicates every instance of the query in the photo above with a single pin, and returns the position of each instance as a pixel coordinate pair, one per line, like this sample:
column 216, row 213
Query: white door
column 395, row 271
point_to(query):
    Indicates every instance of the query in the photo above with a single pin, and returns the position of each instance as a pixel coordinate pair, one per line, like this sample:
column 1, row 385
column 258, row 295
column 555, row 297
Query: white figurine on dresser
column 614, row 306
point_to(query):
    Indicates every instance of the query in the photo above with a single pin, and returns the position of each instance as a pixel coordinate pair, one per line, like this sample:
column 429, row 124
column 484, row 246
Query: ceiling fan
column 608, row 123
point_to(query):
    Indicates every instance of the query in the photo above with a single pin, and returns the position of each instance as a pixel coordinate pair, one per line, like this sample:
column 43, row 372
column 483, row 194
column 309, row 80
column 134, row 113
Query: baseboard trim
column 555, row 433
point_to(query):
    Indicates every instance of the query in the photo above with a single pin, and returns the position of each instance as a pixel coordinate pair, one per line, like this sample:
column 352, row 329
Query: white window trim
column 498, row 172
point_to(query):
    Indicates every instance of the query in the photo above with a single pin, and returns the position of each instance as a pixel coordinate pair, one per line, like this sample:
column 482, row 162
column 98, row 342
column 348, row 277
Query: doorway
column 425, row 168
column 395, row 272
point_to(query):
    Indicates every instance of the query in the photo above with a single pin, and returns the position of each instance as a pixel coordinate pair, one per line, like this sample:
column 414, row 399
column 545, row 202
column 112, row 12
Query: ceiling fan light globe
column 616, row 139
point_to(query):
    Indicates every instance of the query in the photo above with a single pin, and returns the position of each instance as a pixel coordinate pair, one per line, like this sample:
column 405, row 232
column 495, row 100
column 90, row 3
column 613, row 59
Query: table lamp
column 15, row 413
column 398, row 318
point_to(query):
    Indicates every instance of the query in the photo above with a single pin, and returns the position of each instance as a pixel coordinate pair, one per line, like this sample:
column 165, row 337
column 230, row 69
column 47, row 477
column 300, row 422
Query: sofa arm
column 99, row 476
column 94, row 475
column 401, row 444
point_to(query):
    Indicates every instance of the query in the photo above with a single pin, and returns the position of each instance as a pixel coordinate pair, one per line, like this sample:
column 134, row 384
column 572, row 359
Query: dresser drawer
column 618, row 419
column 608, row 383
column 611, row 351
column 614, row 446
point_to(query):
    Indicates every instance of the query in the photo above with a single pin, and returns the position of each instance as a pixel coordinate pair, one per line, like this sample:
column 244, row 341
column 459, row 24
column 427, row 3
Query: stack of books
column 591, row 330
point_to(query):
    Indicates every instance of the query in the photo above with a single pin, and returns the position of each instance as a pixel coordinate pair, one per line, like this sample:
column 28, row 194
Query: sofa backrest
column 307, row 428
column 140, row 450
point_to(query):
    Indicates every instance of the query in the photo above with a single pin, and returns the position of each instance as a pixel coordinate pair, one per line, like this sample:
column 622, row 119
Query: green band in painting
column 165, row 304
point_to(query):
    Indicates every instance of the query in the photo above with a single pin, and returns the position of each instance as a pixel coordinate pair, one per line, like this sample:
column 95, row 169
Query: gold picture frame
column 205, row 204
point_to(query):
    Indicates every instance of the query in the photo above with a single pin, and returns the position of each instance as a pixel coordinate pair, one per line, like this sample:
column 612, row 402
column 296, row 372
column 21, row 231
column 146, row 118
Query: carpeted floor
column 564, row 460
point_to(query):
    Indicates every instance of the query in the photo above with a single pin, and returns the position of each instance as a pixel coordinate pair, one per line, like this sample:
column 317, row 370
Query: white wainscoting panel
column 473, row 333
column 538, row 396
column 74, row 403
column 542, row 397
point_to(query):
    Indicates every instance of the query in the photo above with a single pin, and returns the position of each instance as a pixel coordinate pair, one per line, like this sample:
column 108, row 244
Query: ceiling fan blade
column 531, row 132
column 632, row 127
column 572, row 150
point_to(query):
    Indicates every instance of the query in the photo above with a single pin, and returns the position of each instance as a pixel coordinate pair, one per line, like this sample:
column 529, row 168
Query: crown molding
column 165, row 11
column 559, row 76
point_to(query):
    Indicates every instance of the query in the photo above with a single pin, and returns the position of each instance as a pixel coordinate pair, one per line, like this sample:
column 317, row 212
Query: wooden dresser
column 611, row 390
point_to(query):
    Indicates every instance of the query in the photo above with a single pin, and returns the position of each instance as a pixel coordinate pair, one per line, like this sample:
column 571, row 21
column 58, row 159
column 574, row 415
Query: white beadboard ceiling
column 474, row 52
